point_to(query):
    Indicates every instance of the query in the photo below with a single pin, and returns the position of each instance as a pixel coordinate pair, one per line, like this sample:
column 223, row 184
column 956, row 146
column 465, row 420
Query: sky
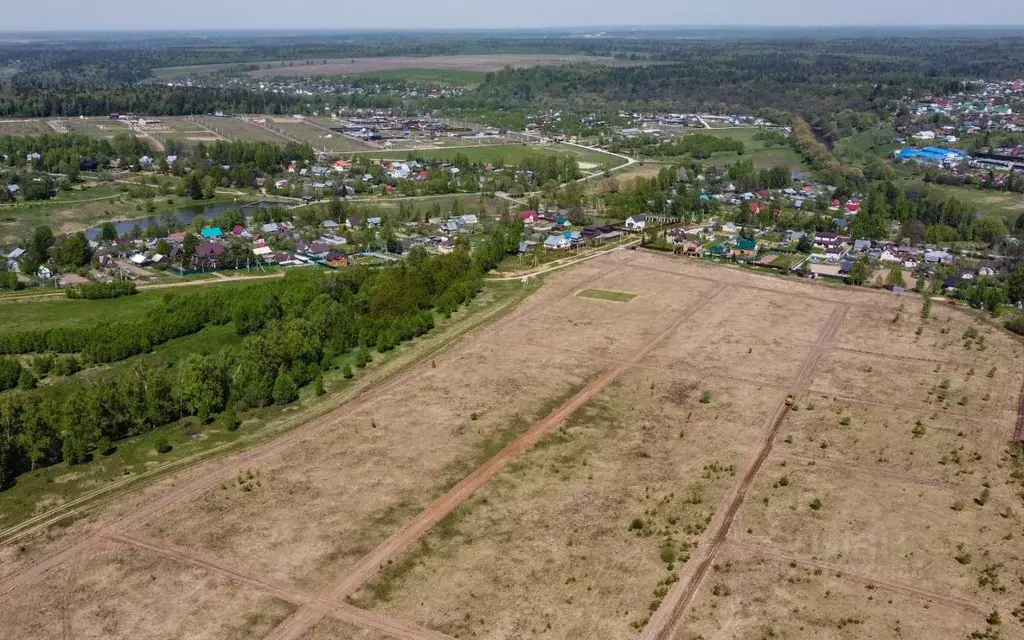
column 54, row 15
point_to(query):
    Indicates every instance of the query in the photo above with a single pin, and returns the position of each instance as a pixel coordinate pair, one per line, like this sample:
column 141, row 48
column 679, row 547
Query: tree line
column 292, row 331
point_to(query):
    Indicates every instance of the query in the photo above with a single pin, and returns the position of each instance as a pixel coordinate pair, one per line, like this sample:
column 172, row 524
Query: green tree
column 202, row 386
column 803, row 245
column 895, row 278
column 108, row 232
column 346, row 371
column 285, row 389
column 860, row 272
column 991, row 229
column 318, row 385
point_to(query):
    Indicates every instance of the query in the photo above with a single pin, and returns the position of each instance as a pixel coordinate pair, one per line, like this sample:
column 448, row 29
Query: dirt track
column 663, row 623
column 302, row 621
column 399, row 629
column 952, row 601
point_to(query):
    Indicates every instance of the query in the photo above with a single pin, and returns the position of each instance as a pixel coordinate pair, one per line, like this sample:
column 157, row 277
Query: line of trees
column 293, row 329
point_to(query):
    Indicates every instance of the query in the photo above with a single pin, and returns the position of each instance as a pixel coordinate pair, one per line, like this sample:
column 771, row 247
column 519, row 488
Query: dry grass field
column 24, row 127
column 599, row 467
column 352, row 66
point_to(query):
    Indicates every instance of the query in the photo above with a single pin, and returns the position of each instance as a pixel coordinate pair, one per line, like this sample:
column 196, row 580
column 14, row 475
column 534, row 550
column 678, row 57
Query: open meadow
column 616, row 457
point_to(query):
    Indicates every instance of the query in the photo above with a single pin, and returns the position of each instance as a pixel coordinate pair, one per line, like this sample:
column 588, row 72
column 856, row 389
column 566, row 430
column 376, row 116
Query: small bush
column 163, row 445
column 845, row 421
column 705, row 397
column 816, row 504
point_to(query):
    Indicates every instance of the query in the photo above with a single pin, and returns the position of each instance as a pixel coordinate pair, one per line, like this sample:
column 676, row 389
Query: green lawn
column 1006, row 204
column 507, row 153
column 32, row 313
column 456, row 77
column 611, row 296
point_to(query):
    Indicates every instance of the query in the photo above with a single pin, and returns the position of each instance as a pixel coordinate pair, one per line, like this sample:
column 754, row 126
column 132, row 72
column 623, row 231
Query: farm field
column 619, row 467
column 509, row 153
column 316, row 134
column 239, row 129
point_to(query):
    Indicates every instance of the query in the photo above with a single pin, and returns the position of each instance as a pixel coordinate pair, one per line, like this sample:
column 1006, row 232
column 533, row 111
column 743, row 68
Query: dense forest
column 815, row 77
column 293, row 330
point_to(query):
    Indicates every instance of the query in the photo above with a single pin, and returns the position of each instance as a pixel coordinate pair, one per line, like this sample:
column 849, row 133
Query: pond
column 185, row 215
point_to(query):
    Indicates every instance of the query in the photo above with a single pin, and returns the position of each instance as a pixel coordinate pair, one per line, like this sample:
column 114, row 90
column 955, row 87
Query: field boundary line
column 303, row 620
column 842, row 574
column 665, row 620
column 301, row 597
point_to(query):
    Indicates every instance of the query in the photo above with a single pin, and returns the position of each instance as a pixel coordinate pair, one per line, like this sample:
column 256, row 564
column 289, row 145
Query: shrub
column 816, row 504
column 163, row 445
column 346, row 371
column 705, row 397
column 845, row 421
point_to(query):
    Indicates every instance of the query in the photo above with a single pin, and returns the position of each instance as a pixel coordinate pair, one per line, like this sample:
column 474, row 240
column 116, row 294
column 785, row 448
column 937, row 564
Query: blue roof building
column 212, row 232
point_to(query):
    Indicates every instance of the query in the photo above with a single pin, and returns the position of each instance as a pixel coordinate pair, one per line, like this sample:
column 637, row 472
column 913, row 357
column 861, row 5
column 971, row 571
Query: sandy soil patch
column 116, row 591
column 751, row 597
column 583, row 533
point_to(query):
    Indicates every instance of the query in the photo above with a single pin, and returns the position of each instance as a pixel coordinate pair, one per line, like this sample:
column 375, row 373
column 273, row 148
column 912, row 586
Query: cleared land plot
column 454, row 77
column 504, row 153
column 24, row 127
column 948, row 334
column 317, row 136
column 594, row 327
column 747, row 596
column 889, row 529
column 116, row 591
column 580, row 536
column 950, row 389
column 754, row 335
column 1007, row 204
column 237, row 129
column 611, row 296
column 368, row 475
column 330, row 629
column 97, row 127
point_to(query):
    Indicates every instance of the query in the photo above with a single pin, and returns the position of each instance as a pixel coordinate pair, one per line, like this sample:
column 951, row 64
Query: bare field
column 495, row 62
column 373, row 472
column 317, row 135
column 116, row 591
column 580, row 535
column 330, row 629
column 748, row 596
column 588, row 469
column 238, row 129
column 24, row 127
column 888, row 528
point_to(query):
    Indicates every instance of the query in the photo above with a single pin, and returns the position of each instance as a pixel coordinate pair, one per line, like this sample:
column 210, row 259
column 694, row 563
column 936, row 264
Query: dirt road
column 306, row 618
column 399, row 629
column 663, row 624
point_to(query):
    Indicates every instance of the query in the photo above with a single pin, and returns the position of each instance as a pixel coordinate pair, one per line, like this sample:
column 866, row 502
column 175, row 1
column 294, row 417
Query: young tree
column 318, row 385
column 860, row 272
column 895, row 278
column 285, row 389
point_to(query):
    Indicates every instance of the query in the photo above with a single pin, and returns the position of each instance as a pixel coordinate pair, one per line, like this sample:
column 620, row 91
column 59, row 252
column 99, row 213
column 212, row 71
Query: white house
column 635, row 223
column 557, row 242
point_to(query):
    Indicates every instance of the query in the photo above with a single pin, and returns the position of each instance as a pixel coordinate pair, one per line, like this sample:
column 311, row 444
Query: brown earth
column 545, row 474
